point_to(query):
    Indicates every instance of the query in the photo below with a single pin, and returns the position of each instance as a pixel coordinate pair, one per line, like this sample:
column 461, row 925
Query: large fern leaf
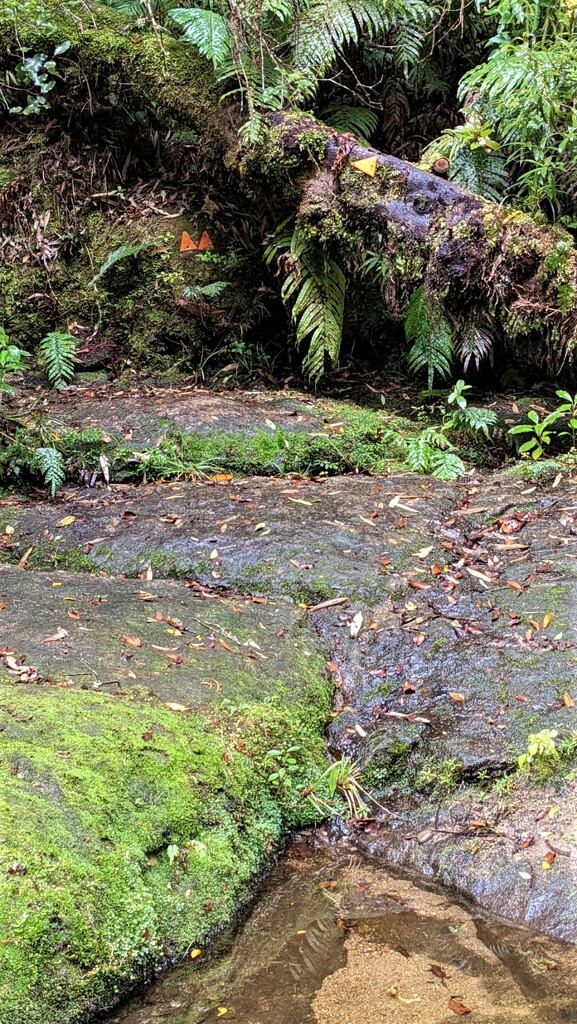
column 50, row 464
column 345, row 117
column 316, row 286
column 326, row 27
column 446, row 465
column 122, row 253
column 207, row 30
column 431, row 337
column 56, row 357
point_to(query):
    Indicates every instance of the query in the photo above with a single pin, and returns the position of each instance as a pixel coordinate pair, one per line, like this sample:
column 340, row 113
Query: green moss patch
column 130, row 833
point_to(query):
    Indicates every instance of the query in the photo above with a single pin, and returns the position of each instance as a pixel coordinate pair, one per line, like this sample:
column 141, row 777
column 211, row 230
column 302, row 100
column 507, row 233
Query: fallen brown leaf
column 131, row 641
column 60, row 634
column 458, row 1007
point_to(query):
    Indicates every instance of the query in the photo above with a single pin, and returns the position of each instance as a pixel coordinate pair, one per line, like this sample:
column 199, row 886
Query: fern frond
column 345, row 117
column 431, row 337
column 316, row 285
column 431, row 452
column 326, row 27
column 410, row 33
column 122, row 253
column 418, row 454
column 207, row 31
column 446, row 465
column 132, row 8
column 50, row 464
column 477, row 344
column 56, row 357
column 480, row 172
column 281, row 238
column 473, row 420
column 475, row 160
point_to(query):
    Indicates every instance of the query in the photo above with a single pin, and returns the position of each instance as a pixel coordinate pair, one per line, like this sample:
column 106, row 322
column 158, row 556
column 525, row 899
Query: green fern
column 120, row 254
column 418, row 454
column 446, row 465
column 473, row 420
column 410, row 33
column 132, row 8
column 432, row 452
column 207, row 30
column 476, row 345
column 56, row 356
column 50, row 464
column 325, row 28
column 475, row 159
column 480, row 172
column 358, row 121
column 316, row 285
column 431, row 337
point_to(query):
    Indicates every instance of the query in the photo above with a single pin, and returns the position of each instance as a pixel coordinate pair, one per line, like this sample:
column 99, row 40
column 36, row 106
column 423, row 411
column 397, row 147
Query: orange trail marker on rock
column 205, row 242
column 186, row 243
column 367, row 166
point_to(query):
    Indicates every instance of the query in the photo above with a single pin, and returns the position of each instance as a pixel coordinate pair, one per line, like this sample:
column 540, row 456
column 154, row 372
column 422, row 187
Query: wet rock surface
column 337, row 938
column 108, row 634
column 142, row 414
column 443, row 613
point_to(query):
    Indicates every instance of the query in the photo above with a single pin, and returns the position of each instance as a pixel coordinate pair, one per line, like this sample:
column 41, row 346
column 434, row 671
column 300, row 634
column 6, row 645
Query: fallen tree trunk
column 479, row 263
column 474, row 257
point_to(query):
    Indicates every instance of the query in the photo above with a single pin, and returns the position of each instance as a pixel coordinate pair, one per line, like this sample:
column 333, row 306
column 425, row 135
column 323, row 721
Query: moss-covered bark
column 134, row 108
column 168, row 79
column 473, row 256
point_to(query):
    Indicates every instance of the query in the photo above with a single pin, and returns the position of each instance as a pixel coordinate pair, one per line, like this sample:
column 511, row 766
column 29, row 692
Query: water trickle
column 337, row 939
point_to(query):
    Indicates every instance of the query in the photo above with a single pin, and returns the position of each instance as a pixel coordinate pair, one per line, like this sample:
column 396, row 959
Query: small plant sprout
column 540, row 431
column 541, row 751
column 172, row 852
column 342, row 778
column 284, row 765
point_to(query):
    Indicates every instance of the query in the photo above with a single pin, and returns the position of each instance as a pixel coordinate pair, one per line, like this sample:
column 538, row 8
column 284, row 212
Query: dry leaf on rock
column 131, row 641
column 60, row 634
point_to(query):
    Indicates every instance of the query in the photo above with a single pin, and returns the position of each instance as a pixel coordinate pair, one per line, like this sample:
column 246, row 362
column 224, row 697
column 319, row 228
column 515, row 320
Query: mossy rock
column 131, row 831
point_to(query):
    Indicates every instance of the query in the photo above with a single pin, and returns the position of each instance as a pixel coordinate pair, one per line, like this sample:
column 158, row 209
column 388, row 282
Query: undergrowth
column 366, row 442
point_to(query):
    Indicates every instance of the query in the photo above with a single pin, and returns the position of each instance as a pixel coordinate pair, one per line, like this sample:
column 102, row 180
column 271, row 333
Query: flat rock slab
column 513, row 854
column 340, row 536
column 456, row 634
column 108, row 634
column 454, row 637
column 141, row 415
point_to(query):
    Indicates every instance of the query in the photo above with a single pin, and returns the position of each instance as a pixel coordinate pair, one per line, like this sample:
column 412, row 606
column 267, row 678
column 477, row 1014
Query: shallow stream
column 335, row 938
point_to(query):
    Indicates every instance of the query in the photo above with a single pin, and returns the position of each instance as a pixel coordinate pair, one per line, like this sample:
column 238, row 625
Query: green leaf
column 207, row 30
column 56, row 357
column 50, row 464
column 316, row 286
column 122, row 253
column 432, row 348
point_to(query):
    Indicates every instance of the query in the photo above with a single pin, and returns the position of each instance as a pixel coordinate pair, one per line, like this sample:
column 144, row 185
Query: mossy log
column 475, row 257
column 483, row 264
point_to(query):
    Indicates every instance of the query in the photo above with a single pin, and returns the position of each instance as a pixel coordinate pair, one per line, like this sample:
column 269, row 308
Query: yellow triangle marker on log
column 367, row 166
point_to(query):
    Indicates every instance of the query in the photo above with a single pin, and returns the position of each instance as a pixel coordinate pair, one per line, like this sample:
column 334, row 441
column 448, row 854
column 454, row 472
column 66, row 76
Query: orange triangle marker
column 367, row 166
column 186, row 243
column 205, row 242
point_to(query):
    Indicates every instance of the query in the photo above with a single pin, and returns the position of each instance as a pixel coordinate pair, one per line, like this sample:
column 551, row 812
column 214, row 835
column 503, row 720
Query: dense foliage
column 487, row 84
